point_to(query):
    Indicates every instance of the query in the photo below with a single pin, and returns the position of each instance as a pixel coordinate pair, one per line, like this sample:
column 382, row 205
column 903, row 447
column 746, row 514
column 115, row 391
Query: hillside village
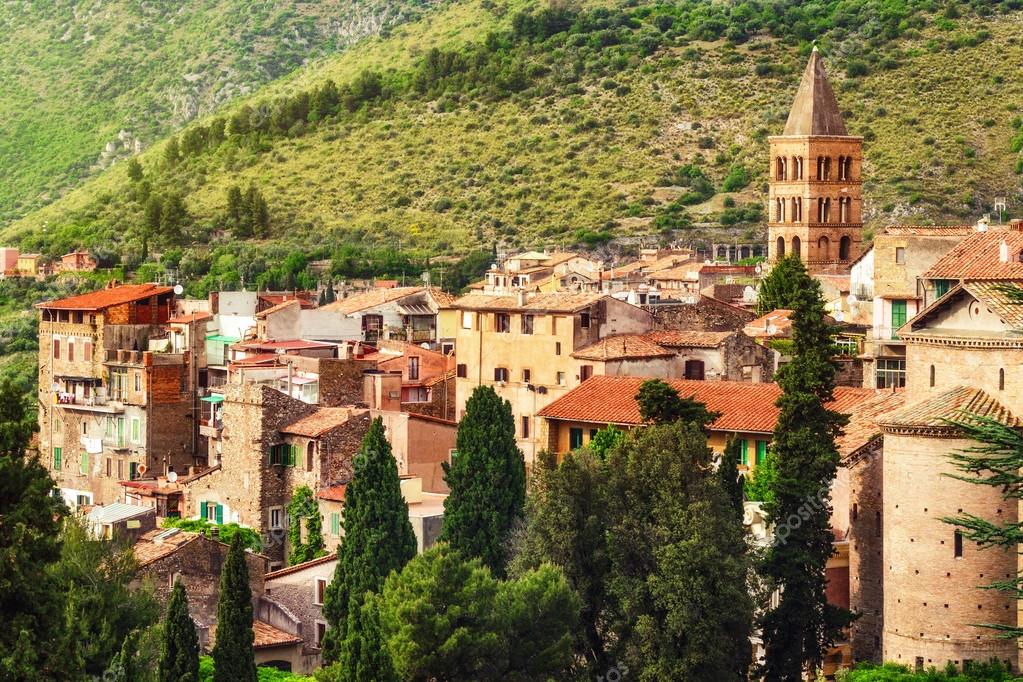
column 155, row 406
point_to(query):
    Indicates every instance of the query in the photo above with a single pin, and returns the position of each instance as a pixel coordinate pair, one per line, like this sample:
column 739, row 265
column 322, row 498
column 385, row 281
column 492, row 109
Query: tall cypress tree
column 798, row 632
column 179, row 657
column 233, row 657
column 487, row 481
column 378, row 538
column 728, row 474
column 365, row 658
column 782, row 287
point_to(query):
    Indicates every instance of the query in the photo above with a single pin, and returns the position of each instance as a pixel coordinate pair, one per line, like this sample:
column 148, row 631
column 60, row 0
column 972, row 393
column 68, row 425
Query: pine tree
column 134, row 170
column 781, row 289
column 378, row 538
column 179, row 657
column 798, row 632
column 364, row 658
column 172, row 152
column 233, row 657
column 304, row 512
column 728, row 474
column 236, row 213
column 487, row 481
column 661, row 404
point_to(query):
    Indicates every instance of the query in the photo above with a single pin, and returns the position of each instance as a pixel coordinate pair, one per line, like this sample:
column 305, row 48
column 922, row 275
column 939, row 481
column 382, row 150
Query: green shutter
column 898, row 317
column 292, row 455
column 744, row 452
column 335, row 523
column 85, row 464
column 202, row 510
column 220, row 514
column 761, row 451
column 57, row 458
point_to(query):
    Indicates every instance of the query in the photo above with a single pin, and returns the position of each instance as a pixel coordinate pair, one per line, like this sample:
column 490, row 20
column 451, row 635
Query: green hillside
column 76, row 73
column 487, row 122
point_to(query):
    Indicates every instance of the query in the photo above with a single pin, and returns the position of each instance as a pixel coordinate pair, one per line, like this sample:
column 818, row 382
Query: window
column 84, row 464
column 890, row 373
column 843, row 248
column 584, row 320
column 575, row 438
column 585, row 372
column 941, row 287
column 557, row 348
column 283, row 454
column 85, row 428
column 694, row 370
column 335, row 524
column 56, row 348
column 779, row 249
column 120, row 469
column 466, row 320
column 276, row 514
column 502, row 323
column 83, row 499
column 525, row 426
column 321, row 632
column 413, row 368
column 138, row 381
column 957, row 541
column 744, row 452
column 1001, row 379
column 110, row 467
column 527, row 376
column 898, row 317
column 900, row 255
column 527, row 324
column 561, row 378
column 71, row 349
column 932, row 376
column 319, row 591
column 461, row 371
column 57, row 456
column 500, row 374
column 136, row 430
column 212, row 512
column 761, row 451
column 133, row 470
column 796, row 248
column 87, row 350
column 855, row 511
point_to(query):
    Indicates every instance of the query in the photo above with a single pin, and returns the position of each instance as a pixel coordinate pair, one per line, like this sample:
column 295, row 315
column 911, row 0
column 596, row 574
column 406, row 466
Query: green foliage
column 445, row 617
column 179, row 655
column 304, row 512
column 233, row 656
column 605, row 440
column 378, row 539
column 759, row 487
column 781, row 289
column 225, row 531
column 730, row 478
column 659, row 403
column 799, row 631
column 738, row 177
column 993, row 671
column 262, row 674
column 364, row 658
column 487, row 479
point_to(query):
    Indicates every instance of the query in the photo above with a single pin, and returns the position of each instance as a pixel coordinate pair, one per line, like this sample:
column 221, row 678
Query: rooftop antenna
column 1000, row 206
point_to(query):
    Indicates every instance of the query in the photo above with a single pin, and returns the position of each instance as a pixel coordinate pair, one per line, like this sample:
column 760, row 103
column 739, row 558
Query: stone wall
column 866, row 557
column 442, row 401
column 746, row 360
column 849, row 372
column 341, row 381
column 707, row 314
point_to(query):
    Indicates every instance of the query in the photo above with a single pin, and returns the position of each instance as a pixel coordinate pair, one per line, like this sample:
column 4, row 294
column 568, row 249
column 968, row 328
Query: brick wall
column 866, row 558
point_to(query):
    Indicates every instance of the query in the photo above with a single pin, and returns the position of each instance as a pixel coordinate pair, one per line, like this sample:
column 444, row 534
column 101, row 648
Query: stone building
column 293, row 602
column 814, row 196
column 114, row 401
column 706, row 314
column 716, row 356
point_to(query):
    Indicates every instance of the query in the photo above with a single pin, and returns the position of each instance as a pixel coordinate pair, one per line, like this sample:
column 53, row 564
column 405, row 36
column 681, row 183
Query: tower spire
column 815, row 110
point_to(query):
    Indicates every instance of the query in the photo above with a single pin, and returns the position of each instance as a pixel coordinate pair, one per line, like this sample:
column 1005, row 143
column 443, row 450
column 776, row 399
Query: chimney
column 215, row 532
column 1016, row 224
column 520, row 297
column 982, row 224
column 1003, row 251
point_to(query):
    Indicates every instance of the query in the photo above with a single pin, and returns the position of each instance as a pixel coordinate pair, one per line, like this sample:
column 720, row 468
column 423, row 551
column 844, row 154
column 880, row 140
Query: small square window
column 527, row 376
column 500, row 374
column 276, row 516
column 320, row 590
column 321, row 632
column 461, row 371
column 584, row 320
column 502, row 323
column 561, row 378
column 900, row 255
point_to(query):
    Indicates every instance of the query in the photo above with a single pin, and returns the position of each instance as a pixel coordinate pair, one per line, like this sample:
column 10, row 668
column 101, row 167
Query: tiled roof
column 688, row 338
column 439, row 378
column 335, row 493
column 319, row 422
column 863, row 426
column 257, row 359
column 995, row 296
column 775, row 323
column 815, row 110
column 978, row 257
column 622, row 347
column 559, row 257
column 748, row 407
column 149, row 547
column 191, row 317
column 280, row 306
column 930, row 230
column 552, row 303
column 684, row 273
column 300, row 567
column 266, row 636
column 371, row 299
column 104, row 298
column 293, row 344
column 956, row 404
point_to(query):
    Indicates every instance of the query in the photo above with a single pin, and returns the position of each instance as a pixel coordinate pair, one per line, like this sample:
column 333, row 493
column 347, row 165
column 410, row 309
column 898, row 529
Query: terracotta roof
column 280, row 306
column 996, row 297
column 257, row 359
column 335, row 493
column 319, row 422
column 149, row 548
column 864, row 422
column 685, row 273
column 688, row 338
column 267, row 636
column 385, row 283
column 930, row 230
column 552, row 303
column 191, row 317
column 956, row 404
column 775, row 323
column 622, row 347
column 439, row 378
column 300, row 567
column 978, row 257
column 746, row 407
column 815, row 110
column 559, row 257
column 371, row 299
column 104, row 298
column 293, row 344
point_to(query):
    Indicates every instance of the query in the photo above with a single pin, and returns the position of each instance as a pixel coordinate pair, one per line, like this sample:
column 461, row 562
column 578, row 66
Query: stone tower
column 815, row 190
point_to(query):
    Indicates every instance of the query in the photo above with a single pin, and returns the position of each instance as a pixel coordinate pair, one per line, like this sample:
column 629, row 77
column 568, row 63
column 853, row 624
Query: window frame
column 526, row 323
column 575, row 438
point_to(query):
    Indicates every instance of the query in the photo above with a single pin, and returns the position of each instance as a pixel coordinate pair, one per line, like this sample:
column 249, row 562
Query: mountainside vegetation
column 501, row 122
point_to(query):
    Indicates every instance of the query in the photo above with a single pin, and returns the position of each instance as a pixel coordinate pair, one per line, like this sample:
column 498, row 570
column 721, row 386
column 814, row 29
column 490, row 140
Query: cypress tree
column 798, row 632
column 378, row 538
column 233, row 657
column 487, row 481
column 728, row 474
column 781, row 289
column 179, row 656
column 365, row 658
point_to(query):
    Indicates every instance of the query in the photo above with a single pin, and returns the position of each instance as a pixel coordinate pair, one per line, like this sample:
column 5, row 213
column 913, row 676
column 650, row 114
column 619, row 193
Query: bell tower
column 815, row 194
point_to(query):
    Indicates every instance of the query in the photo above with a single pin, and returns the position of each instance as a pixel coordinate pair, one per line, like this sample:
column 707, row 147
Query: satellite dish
column 759, row 268
column 171, row 476
column 178, row 289
column 839, row 316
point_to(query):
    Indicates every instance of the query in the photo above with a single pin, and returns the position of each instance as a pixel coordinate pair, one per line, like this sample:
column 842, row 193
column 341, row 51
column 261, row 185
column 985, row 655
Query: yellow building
column 28, row 265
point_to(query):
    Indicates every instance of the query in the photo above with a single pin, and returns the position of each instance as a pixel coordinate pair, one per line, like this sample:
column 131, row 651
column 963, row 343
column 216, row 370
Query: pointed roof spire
column 815, row 110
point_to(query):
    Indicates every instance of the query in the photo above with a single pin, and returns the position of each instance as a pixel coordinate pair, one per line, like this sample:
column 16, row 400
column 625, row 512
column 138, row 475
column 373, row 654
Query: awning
column 213, row 399
column 415, row 309
column 225, row 339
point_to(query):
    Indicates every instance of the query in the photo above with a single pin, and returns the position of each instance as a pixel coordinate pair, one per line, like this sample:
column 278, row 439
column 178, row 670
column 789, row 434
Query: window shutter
column 56, row 458
column 220, row 513
column 85, row 463
column 335, row 523
column 270, row 455
column 743, row 452
column 202, row 510
column 292, row 455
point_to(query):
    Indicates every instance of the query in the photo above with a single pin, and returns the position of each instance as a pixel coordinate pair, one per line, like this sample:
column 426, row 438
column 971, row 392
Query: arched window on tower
column 841, row 168
column 779, row 249
column 797, row 209
column 844, row 204
column 847, row 168
column 823, row 248
column 823, row 210
column 795, row 248
column 823, row 167
column 797, row 167
column 779, row 210
column 843, row 248
column 780, row 168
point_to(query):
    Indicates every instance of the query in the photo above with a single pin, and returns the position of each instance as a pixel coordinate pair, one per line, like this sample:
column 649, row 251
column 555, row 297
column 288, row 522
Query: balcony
column 95, row 403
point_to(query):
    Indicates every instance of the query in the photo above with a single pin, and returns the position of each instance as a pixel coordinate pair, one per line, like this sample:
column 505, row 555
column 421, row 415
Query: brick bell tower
column 815, row 195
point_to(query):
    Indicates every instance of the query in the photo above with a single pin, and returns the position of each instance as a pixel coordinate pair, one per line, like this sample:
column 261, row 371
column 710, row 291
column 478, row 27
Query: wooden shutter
column 202, row 510
column 220, row 513
column 292, row 455
column 56, row 458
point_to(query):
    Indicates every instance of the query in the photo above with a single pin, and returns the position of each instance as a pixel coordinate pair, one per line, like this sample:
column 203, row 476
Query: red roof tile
column 267, row 636
column 978, row 257
column 622, row 347
column 864, row 421
column 294, row 344
column 553, row 302
column 956, row 404
column 275, row 308
column 746, row 407
column 105, row 298
column 371, row 299
column 335, row 493
column 688, row 338
column 300, row 567
column 319, row 422
column 930, row 230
